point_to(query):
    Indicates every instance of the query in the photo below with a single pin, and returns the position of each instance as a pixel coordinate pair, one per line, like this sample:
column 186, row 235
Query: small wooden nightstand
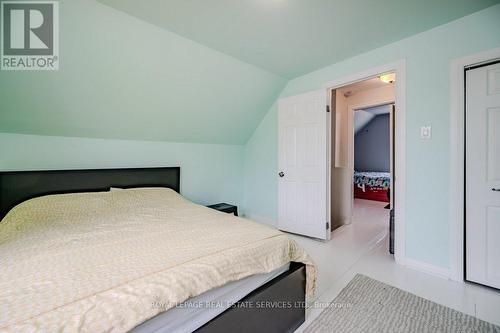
column 226, row 208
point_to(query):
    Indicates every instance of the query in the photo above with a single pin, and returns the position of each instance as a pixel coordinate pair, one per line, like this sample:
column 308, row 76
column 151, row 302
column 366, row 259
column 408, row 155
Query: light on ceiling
column 388, row 78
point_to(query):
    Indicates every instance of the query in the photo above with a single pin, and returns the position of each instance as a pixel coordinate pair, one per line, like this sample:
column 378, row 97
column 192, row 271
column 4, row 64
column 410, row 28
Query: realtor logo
column 30, row 35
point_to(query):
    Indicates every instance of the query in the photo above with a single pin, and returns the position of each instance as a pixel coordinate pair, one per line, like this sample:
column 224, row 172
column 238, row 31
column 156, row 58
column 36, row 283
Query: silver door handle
column 496, row 189
column 281, row 174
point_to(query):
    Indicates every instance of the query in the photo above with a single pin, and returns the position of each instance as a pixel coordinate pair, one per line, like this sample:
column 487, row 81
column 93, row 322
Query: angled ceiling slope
column 294, row 37
column 123, row 78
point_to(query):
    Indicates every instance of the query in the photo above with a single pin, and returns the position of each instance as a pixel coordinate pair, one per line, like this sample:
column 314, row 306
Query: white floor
column 362, row 247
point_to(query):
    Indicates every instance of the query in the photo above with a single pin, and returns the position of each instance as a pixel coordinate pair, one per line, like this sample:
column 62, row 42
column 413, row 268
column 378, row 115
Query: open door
column 302, row 166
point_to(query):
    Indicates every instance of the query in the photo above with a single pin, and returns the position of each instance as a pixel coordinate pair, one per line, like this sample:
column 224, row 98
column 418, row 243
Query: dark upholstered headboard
column 19, row 186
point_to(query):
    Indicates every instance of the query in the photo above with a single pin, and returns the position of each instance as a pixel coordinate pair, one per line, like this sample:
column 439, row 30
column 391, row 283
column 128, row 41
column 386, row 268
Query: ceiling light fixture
column 388, row 78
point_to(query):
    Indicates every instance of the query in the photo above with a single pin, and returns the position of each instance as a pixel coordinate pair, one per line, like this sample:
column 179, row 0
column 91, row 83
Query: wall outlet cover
column 426, row 132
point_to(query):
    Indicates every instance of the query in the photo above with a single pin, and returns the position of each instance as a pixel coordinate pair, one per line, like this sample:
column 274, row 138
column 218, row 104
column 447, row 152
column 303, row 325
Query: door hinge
column 327, row 225
column 328, row 108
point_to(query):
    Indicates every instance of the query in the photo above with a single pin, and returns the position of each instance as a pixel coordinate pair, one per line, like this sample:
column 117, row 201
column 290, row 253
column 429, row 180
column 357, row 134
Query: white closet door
column 483, row 175
column 302, row 165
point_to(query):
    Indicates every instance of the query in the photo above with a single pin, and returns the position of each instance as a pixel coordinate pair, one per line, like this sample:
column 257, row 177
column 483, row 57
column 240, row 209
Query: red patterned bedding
column 372, row 185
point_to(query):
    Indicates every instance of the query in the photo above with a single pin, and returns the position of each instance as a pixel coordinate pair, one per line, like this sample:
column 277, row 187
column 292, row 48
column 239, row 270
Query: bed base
column 371, row 193
column 278, row 306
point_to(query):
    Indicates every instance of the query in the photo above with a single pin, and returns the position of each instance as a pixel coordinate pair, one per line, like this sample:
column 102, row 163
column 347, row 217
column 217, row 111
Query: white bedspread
column 95, row 262
column 199, row 310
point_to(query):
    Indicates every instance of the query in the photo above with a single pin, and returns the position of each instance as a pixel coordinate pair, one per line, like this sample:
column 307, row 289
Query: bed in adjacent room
column 370, row 185
column 143, row 259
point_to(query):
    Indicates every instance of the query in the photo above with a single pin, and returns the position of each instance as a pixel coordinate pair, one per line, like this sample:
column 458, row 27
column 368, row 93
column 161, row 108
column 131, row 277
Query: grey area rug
column 367, row 305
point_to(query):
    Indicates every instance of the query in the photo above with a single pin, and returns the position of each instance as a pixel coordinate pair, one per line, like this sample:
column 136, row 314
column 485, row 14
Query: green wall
column 260, row 168
column 428, row 56
column 210, row 173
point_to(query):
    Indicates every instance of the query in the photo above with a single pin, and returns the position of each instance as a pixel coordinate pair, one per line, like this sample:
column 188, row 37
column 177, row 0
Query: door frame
column 457, row 157
column 398, row 67
column 351, row 137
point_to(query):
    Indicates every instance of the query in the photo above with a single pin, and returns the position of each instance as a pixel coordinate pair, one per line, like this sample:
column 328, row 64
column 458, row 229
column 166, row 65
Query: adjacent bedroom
column 372, row 154
column 252, row 166
column 363, row 157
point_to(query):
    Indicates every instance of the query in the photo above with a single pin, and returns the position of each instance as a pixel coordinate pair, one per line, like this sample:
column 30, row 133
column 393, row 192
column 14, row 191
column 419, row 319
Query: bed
column 372, row 185
column 79, row 257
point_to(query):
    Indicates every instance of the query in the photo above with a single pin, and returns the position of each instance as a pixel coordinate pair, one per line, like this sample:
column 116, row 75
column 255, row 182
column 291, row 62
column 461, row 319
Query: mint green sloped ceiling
column 123, row 78
column 294, row 37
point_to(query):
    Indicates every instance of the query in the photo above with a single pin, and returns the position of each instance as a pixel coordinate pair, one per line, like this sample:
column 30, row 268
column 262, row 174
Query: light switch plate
column 426, row 132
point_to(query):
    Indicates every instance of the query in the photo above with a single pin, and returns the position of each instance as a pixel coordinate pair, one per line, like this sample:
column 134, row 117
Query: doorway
column 362, row 142
column 308, row 161
column 460, row 173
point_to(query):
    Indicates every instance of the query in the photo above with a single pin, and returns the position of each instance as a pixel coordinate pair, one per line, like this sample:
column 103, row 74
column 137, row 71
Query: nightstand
column 226, row 208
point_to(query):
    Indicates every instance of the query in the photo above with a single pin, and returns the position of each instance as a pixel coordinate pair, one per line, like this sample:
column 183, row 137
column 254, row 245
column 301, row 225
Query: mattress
column 94, row 262
column 197, row 311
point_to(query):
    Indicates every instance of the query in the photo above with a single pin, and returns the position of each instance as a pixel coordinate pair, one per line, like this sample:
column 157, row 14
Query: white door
column 302, row 164
column 482, row 191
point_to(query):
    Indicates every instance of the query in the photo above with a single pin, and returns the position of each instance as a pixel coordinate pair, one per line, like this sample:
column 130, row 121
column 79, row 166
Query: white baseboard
column 262, row 219
column 424, row 267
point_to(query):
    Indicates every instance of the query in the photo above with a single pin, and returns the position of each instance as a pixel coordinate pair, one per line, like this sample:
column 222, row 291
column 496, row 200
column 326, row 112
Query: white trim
column 399, row 68
column 367, row 74
column 428, row 268
column 457, row 132
column 350, row 139
column 329, row 167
